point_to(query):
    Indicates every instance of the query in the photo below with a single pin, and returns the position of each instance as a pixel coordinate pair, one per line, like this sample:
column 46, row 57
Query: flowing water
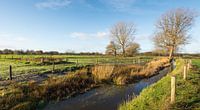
column 107, row 97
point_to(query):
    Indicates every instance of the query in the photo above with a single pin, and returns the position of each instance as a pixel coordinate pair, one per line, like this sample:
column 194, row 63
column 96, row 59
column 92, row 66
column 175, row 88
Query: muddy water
column 107, row 97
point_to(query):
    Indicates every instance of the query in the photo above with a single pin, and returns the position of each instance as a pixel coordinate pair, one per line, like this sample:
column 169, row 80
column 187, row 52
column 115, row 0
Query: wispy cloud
column 134, row 6
column 53, row 4
column 119, row 5
column 86, row 36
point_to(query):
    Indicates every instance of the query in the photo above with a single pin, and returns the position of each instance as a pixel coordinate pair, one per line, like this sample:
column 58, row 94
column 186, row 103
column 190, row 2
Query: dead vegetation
column 124, row 74
column 32, row 95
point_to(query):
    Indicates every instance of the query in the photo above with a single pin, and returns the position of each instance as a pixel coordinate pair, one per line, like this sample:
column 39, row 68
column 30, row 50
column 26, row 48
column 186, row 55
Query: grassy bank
column 31, row 96
column 188, row 92
column 157, row 96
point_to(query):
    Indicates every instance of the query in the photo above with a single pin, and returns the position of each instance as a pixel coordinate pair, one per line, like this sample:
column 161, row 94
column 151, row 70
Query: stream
column 106, row 97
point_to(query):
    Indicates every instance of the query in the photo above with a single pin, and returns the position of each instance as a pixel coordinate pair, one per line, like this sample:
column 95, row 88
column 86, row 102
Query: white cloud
column 86, row 36
column 120, row 4
column 53, row 4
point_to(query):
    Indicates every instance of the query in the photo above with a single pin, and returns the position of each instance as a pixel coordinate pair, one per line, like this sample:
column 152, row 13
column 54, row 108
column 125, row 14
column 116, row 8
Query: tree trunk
column 171, row 53
column 115, row 53
column 123, row 51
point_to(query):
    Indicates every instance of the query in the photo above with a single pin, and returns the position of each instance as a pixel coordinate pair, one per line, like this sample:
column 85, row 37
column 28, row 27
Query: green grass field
column 26, row 64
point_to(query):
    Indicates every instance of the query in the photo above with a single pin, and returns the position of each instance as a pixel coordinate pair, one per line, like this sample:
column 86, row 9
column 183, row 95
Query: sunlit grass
column 20, row 67
column 155, row 96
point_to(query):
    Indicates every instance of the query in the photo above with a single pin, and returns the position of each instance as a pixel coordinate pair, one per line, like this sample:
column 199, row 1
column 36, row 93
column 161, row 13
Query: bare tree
column 123, row 34
column 132, row 49
column 112, row 48
column 172, row 30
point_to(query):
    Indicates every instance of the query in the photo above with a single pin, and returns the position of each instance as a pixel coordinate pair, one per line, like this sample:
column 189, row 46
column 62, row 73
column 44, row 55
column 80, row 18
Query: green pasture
column 27, row 65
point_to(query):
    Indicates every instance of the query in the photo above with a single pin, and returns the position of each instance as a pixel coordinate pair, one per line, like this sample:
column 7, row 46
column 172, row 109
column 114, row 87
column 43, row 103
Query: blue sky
column 83, row 25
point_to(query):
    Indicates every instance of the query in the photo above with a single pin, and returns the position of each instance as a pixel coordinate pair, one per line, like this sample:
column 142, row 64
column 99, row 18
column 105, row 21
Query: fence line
column 186, row 68
column 13, row 69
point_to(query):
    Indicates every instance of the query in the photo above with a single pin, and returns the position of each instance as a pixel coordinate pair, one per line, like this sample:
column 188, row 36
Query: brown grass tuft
column 124, row 74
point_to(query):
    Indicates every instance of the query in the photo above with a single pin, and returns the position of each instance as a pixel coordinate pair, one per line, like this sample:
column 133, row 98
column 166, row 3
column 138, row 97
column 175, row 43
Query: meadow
column 31, row 94
column 39, row 64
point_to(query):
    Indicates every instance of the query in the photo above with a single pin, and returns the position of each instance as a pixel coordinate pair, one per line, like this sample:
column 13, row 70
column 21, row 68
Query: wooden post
column 185, row 72
column 76, row 62
column 53, row 67
column 97, row 61
column 42, row 60
column 173, row 89
column 188, row 66
column 138, row 61
column 190, row 62
column 10, row 72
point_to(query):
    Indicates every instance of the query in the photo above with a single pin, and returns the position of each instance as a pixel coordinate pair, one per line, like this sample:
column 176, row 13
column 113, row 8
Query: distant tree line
column 40, row 52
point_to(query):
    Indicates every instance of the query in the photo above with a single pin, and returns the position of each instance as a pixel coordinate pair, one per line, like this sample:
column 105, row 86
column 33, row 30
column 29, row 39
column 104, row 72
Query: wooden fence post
column 97, row 61
column 138, row 61
column 53, row 67
column 77, row 63
column 42, row 60
column 189, row 64
column 10, row 72
column 185, row 72
column 173, row 89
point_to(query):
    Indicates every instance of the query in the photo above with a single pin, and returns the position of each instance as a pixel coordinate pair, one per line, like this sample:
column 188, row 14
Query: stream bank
column 106, row 97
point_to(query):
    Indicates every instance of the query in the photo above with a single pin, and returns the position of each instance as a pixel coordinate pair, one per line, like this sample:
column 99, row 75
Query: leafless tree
column 132, row 49
column 172, row 30
column 112, row 48
column 123, row 34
